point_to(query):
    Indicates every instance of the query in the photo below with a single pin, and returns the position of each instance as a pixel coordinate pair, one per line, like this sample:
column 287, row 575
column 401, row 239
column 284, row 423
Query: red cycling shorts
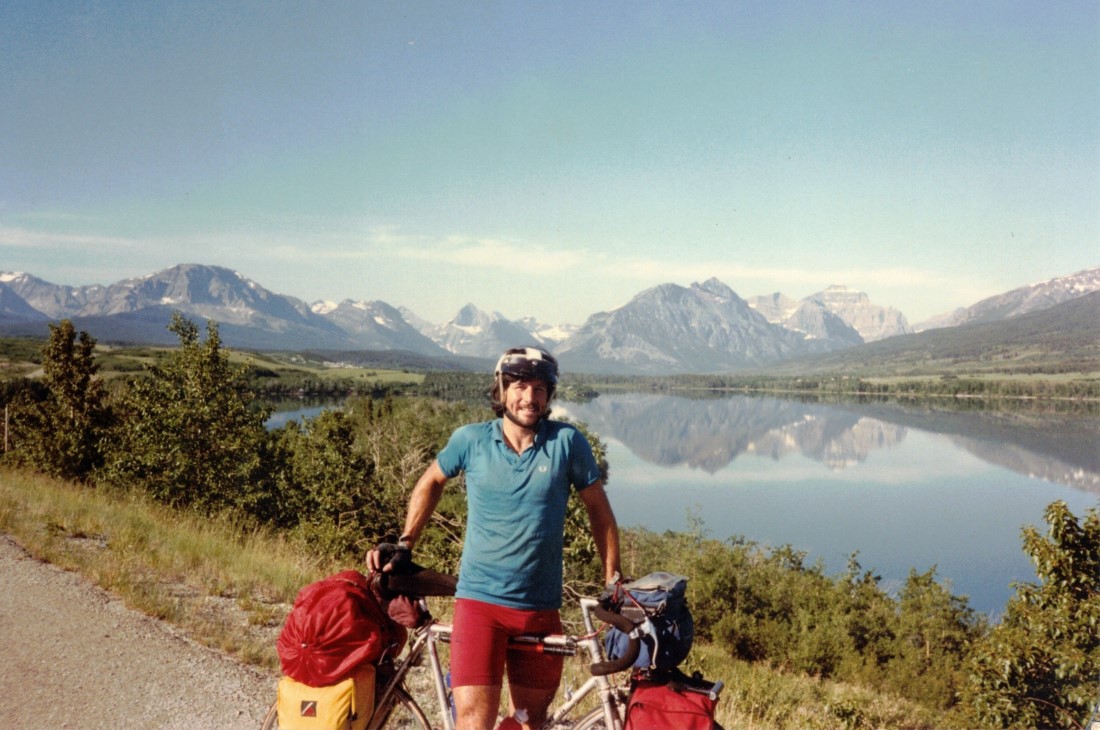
column 479, row 646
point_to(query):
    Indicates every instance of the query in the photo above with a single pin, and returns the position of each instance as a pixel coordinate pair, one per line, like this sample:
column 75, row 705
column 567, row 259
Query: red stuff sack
column 335, row 627
column 664, row 705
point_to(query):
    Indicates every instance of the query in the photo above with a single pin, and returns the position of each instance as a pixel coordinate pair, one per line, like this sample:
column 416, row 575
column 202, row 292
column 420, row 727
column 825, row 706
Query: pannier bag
column 346, row 705
column 671, row 704
column 661, row 597
column 335, row 627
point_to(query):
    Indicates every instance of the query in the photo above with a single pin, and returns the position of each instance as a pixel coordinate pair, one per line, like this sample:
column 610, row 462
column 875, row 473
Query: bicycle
column 395, row 706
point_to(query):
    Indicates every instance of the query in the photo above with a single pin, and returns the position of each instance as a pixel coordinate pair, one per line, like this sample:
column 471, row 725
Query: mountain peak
column 666, row 329
column 471, row 316
column 839, row 294
column 854, row 310
column 717, row 288
column 479, row 334
column 672, row 329
column 1023, row 300
column 376, row 325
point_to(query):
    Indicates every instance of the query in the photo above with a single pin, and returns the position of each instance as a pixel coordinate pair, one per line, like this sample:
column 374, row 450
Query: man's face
column 526, row 401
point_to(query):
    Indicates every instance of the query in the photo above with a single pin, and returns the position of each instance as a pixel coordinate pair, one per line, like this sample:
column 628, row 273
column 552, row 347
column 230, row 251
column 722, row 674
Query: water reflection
column 905, row 488
column 708, row 434
column 1059, row 448
column 836, row 442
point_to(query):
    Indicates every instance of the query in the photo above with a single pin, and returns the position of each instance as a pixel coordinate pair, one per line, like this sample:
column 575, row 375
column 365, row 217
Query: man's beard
column 511, row 417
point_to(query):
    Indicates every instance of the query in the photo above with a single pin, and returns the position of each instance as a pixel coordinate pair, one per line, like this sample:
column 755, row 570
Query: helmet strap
column 510, row 417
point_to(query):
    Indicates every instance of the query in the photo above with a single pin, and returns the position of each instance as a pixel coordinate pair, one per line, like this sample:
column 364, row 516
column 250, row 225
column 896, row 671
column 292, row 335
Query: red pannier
column 660, row 704
column 336, row 626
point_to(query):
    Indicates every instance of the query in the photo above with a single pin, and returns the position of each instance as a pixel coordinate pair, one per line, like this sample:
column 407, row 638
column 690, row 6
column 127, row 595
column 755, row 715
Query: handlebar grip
column 424, row 582
column 634, row 645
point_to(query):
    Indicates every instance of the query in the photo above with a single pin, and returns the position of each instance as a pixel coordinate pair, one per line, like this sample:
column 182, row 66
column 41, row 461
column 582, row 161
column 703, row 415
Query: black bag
column 660, row 596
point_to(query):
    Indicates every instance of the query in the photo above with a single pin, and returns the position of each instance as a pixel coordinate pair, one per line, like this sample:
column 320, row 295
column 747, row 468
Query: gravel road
column 73, row 656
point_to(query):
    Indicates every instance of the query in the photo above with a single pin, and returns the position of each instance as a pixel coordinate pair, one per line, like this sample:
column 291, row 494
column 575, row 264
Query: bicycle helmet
column 528, row 363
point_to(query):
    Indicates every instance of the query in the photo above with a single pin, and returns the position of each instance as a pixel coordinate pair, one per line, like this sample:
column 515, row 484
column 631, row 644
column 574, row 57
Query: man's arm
column 423, row 500
column 422, row 503
column 605, row 530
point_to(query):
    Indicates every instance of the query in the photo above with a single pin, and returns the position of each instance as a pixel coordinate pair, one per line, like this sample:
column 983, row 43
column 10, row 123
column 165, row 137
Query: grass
column 21, row 358
column 292, row 366
column 228, row 587
column 231, row 587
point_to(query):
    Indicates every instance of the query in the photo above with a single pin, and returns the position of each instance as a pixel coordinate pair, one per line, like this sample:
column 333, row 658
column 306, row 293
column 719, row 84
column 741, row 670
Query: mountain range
column 703, row 328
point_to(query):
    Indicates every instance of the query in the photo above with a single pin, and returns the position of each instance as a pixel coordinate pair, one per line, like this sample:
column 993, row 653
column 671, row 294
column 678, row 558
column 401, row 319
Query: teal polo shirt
column 516, row 506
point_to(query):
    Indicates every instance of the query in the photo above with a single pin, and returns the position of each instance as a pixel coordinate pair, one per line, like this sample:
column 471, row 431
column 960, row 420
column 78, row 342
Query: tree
column 1039, row 666
column 60, row 432
column 189, row 432
column 400, row 437
column 323, row 484
column 935, row 632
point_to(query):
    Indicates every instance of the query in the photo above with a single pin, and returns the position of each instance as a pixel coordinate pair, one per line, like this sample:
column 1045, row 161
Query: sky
column 554, row 160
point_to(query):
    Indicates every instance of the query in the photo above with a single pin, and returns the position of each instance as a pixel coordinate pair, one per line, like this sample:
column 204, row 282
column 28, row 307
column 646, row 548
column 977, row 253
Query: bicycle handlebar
column 423, row 582
column 431, row 583
column 634, row 644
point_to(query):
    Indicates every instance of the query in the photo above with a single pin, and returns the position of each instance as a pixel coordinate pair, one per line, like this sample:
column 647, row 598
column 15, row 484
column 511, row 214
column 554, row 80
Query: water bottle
column 513, row 722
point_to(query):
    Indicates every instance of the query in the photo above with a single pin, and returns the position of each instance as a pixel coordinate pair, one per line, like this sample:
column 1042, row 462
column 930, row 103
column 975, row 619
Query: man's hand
column 613, row 592
column 390, row 557
column 614, row 583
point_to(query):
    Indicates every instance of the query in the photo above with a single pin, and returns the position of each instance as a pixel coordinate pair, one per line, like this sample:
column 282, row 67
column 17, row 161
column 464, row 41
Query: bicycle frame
column 566, row 645
column 612, row 712
column 420, row 639
column 395, row 694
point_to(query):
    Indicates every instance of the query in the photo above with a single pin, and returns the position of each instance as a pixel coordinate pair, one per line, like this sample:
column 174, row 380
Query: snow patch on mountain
column 706, row 327
column 476, row 333
column 1023, row 300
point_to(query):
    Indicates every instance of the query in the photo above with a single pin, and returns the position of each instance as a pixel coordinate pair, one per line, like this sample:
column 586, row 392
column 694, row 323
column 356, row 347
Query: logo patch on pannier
column 309, row 708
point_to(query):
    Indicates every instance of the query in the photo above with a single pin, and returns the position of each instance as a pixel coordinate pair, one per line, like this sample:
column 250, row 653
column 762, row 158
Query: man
column 520, row 469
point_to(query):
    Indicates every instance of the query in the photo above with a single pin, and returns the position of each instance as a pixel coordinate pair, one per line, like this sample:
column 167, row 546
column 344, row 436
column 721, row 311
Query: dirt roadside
column 73, row 656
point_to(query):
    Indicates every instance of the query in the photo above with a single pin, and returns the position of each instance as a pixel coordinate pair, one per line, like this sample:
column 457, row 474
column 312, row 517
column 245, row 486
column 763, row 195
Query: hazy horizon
column 554, row 161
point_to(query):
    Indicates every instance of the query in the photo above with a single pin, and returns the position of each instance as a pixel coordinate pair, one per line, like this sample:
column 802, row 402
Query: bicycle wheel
column 592, row 721
column 402, row 714
column 271, row 719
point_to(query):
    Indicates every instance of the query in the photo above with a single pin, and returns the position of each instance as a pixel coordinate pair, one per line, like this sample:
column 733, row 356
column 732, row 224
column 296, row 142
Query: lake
column 904, row 487
column 289, row 411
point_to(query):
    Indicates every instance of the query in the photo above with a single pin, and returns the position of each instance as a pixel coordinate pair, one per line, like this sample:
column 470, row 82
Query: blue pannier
column 661, row 597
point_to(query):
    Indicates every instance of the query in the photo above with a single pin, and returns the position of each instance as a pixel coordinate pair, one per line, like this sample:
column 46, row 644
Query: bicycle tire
column 592, row 721
column 271, row 719
column 403, row 714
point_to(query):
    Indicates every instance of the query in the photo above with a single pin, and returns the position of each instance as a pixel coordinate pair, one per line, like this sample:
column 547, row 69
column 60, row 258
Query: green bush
column 58, row 428
column 1039, row 666
column 767, row 606
column 190, row 434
